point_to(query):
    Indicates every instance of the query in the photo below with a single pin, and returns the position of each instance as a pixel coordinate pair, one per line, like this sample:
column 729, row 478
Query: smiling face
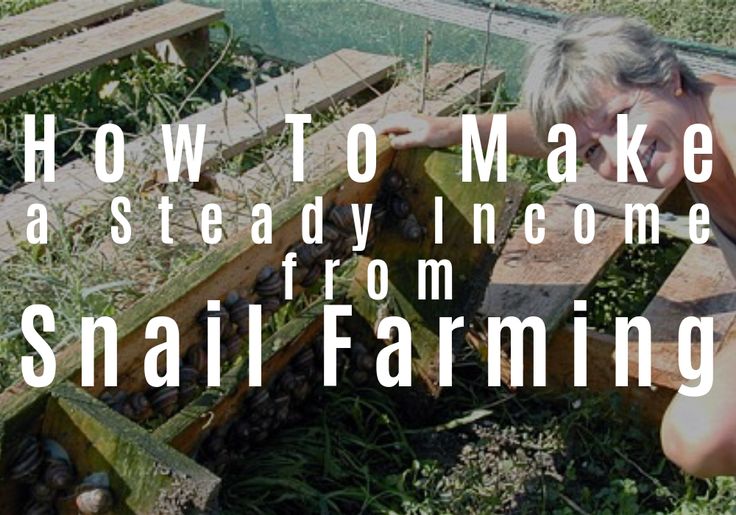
column 665, row 112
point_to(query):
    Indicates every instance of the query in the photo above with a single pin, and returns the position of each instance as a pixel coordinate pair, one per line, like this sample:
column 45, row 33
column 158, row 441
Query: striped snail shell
column 239, row 313
column 140, row 406
column 265, row 272
column 399, row 207
column 115, row 398
column 307, row 254
column 188, row 375
column 231, row 298
column 58, row 474
column 411, row 229
column 393, row 181
column 273, row 286
column 286, row 382
column 378, row 214
column 42, row 492
column 330, row 232
column 312, row 276
column 281, row 404
column 165, row 400
column 259, row 399
column 94, row 501
column 28, row 461
column 232, row 346
column 342, row 217
column 39, row 508
column 269, row 305
column 302, row 388
column 188, row 392
column 197, row 357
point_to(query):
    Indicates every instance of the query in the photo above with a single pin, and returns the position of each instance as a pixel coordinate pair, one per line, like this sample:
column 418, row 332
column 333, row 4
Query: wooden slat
column 63, row 58
column 450, row 86
column 543, row 280
column 233, row 126
column 43, row 23
column 701, row 285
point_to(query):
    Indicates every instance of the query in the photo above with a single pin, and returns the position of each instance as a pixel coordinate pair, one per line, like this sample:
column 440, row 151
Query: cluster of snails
column 339, row 239
column 45, row 467
column 284, row 401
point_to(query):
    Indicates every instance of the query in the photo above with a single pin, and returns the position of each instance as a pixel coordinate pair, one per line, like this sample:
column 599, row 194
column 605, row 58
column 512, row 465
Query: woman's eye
column 590, row 152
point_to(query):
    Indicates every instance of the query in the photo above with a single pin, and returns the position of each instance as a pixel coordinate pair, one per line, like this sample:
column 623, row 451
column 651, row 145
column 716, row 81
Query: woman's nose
column 607, row 166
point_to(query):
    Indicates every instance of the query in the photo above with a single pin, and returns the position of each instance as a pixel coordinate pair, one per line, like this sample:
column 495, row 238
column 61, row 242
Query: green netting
column 303, row 30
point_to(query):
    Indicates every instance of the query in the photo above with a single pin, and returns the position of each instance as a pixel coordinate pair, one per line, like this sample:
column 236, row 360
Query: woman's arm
column 408, row 130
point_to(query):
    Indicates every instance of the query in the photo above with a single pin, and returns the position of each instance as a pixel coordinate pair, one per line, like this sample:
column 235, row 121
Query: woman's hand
column 408, row 130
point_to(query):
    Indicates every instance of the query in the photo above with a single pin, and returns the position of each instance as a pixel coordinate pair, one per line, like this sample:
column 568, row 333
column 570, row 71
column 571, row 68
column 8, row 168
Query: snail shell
column 342, row 217
column 273, row 286
column 307, row 254
column 330, row 232
column 231, row 299
column 281, row 404
column 239, row 313
column 197, row 357
column 232, row 346
column 188, row 375
column 239, row 435
column 378, row 214
column 286, row 382
column 27, row 464
column 269, row 305
column 312, row 276
column 140, row 406
column 304, row 361
column 188, row 392
column 165, row 400
column 115, row 398
column 39, row 508
column 259, row 399
column 393, row 181
column 302, row 388
column 265, row 272
column 399, row 207
column 95, row 501
column 58, row 474
column 410, row 229
column 42, row 493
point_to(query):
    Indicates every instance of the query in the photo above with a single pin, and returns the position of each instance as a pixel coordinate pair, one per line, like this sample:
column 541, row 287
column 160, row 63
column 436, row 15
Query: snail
column 94, row 501
column 28, row 461
column 231, row 299
column 281, row 404
column 165, row 400
column 233, row 345
column 393, row 181
column 58, row 474
column 42, row 493
column 286, row 382
column 239, row 315
column 272, row 285
column 306, row 254
column 197, row 357
column 330, row 232
column 269, row 305
column 311, row 276
column 140, row 407
column 115, row 398
column 399, row 207
column 39, row 508
column 411, row 229
column 94, row 496
column 378, row 214
column 342, row 217
column 304, row 361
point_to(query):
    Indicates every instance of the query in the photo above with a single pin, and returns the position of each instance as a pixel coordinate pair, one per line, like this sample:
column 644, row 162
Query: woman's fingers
column 397, row 123
column 404, row 141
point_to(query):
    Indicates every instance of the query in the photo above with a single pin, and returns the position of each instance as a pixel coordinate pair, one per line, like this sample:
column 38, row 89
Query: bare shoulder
column 721, row 105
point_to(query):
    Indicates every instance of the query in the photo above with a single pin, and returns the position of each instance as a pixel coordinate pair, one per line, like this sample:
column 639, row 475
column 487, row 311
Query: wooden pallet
column 544, row 280
column 46, row 22
column 24, row 71
column 151, row 472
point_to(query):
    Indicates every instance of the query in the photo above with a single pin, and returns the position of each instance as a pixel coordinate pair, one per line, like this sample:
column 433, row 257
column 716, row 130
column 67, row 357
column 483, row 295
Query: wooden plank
column 701, row 285
column 63, row 58
column 449, row 86
column 43, row 23
column 146, row 476
column 543, row 280
column 186, row 429
column 233, row 126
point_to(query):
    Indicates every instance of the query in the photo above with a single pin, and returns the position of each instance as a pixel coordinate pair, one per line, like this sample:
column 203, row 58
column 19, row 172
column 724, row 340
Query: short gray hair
column 563, row 74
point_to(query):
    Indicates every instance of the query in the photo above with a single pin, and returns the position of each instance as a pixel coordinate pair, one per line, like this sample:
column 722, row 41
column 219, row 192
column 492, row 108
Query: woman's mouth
column 646, row 158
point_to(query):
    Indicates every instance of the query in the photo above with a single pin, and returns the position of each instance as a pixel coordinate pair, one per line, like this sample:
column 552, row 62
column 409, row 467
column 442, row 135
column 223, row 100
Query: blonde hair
column 589, row 51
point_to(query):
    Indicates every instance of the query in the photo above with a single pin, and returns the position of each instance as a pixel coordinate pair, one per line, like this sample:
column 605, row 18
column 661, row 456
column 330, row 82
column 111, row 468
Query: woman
column 595, row 69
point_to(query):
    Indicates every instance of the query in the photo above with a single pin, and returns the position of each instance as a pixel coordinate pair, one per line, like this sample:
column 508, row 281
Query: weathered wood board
column 43, row 23
column 63, row 58
column 234, row 125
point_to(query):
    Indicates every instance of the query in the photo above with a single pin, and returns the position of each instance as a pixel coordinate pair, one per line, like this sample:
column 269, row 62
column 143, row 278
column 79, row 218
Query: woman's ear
column 677, row 88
